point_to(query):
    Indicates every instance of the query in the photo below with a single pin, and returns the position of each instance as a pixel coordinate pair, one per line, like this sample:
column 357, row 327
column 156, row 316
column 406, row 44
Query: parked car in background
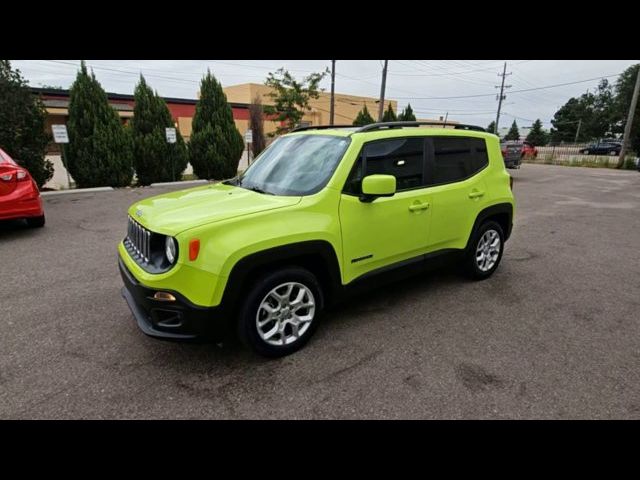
column 602, row 148
column 19, row 194
column 511, row 153
column 529, row 149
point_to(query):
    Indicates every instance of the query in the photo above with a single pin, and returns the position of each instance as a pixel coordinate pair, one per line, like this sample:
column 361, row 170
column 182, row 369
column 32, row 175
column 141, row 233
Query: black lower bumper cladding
column 179, row 320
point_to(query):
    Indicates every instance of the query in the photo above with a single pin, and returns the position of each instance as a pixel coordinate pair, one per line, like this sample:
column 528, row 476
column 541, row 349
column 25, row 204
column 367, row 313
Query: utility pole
column 578, row 131
column 333, row 86
column 502, row 96
column 627, row 127
column 384, row 83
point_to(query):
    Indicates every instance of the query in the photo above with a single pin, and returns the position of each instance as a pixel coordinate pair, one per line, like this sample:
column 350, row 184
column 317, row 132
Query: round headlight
column 170, row 249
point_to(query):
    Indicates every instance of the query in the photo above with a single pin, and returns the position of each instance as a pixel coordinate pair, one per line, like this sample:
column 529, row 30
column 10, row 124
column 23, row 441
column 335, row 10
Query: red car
column 19, row 194
column 529, row 150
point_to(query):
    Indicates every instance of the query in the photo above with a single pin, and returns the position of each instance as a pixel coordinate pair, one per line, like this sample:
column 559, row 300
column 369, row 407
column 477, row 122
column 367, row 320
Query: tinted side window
column 401, row 157
column 457, row 158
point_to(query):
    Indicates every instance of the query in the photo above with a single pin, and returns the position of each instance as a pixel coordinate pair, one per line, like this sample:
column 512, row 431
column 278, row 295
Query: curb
column 77, row 190
column 187, row 182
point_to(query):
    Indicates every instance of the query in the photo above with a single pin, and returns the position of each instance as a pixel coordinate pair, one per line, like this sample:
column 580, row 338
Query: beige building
column 346, row 106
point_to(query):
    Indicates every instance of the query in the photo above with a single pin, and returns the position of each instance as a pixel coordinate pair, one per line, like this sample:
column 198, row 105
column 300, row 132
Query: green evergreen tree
column 389, row 115
column 155, row 160
column 407, row 114
column 216, row 145
column 537, row 136
column 363, row 118
column 100, row 149
column 491, row 128
column 513, row 133
column 22, row 116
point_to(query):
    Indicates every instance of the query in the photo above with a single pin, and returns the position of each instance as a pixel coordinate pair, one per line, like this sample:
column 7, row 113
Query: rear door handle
column 476, row 194
column 418, row 206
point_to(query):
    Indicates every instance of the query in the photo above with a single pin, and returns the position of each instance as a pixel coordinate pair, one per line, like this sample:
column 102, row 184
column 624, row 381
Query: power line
column 513, row 91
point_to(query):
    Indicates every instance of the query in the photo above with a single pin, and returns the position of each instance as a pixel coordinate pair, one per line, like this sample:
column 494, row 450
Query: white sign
column 171, row 135
column 60, row 133
column 248, row 136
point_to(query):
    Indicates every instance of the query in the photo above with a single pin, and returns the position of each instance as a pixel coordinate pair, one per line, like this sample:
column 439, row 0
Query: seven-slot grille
column 139, row 240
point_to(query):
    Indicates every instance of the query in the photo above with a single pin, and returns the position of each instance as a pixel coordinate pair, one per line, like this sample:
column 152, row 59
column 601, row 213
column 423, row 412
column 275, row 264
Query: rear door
column 456, row 169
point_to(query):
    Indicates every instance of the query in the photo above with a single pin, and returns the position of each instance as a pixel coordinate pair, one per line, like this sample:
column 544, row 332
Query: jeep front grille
column 138, row 242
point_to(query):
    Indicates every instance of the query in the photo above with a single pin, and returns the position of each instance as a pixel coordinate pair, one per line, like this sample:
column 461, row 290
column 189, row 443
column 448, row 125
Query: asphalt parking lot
column 555, row 333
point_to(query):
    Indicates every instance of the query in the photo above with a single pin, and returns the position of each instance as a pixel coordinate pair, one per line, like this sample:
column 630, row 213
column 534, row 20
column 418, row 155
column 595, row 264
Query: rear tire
column 35, row 222
column 484, row 251
column 281, row 312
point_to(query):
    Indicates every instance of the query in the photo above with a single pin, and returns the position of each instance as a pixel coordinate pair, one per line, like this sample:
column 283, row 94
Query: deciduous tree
column 291, row 97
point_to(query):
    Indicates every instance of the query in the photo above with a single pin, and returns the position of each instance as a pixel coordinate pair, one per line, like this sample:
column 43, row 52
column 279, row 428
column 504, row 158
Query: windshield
column 295, row 165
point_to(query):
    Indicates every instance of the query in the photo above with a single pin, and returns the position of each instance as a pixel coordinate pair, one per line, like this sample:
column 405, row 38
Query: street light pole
column 627, row 127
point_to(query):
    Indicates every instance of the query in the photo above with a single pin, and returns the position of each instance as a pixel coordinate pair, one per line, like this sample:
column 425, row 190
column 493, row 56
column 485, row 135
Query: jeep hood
column 175, row 212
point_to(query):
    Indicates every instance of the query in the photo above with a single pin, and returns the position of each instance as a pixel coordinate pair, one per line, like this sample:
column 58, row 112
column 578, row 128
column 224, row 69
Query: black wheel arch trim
column 299, row 253
column 497, row 209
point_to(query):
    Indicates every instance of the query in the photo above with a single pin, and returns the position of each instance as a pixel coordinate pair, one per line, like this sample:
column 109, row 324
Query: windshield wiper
column 257, row 189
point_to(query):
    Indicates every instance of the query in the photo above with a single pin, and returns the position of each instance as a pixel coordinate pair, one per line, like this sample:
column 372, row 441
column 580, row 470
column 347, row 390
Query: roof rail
column 382, row 125
column 319, row 127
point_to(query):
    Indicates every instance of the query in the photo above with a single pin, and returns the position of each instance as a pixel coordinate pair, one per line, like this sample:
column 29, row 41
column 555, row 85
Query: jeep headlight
column 170, row 249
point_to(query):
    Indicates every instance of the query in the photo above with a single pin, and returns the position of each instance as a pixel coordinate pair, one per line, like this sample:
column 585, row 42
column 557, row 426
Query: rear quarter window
column 457, row 158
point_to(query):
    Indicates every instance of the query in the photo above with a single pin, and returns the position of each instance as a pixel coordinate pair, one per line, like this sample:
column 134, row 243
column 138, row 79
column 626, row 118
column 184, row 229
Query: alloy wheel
column 285, row 313
column 488, row 250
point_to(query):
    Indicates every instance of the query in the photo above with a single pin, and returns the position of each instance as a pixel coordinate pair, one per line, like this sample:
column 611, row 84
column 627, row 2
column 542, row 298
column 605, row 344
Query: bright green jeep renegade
column 321, row 211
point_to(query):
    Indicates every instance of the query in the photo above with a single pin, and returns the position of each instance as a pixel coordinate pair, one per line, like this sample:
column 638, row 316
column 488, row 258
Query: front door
column 388, row 230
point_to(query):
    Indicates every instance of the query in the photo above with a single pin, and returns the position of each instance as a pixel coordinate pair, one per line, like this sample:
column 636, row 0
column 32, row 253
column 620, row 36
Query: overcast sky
column 428, row 85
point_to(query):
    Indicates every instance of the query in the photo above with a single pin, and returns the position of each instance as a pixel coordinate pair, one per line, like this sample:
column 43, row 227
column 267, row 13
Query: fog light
column 164, row 297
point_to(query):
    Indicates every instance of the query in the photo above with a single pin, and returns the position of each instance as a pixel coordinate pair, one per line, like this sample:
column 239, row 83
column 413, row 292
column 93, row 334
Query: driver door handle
column 418, row 206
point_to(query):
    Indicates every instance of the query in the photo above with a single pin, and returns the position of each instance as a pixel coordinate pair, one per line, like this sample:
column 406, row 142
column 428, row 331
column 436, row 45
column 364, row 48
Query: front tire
column 281, row 312
column 484, row 251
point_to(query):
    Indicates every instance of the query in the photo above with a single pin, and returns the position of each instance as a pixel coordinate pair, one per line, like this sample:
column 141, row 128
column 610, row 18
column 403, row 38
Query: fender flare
column 499, row 208
column 293, row 253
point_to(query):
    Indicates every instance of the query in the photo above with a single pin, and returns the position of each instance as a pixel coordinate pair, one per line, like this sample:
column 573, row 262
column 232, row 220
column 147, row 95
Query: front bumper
column 179, row 320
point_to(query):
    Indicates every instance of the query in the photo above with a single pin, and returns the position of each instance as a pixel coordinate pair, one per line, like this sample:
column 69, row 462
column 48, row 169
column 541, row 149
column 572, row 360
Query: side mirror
column 374, row 186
